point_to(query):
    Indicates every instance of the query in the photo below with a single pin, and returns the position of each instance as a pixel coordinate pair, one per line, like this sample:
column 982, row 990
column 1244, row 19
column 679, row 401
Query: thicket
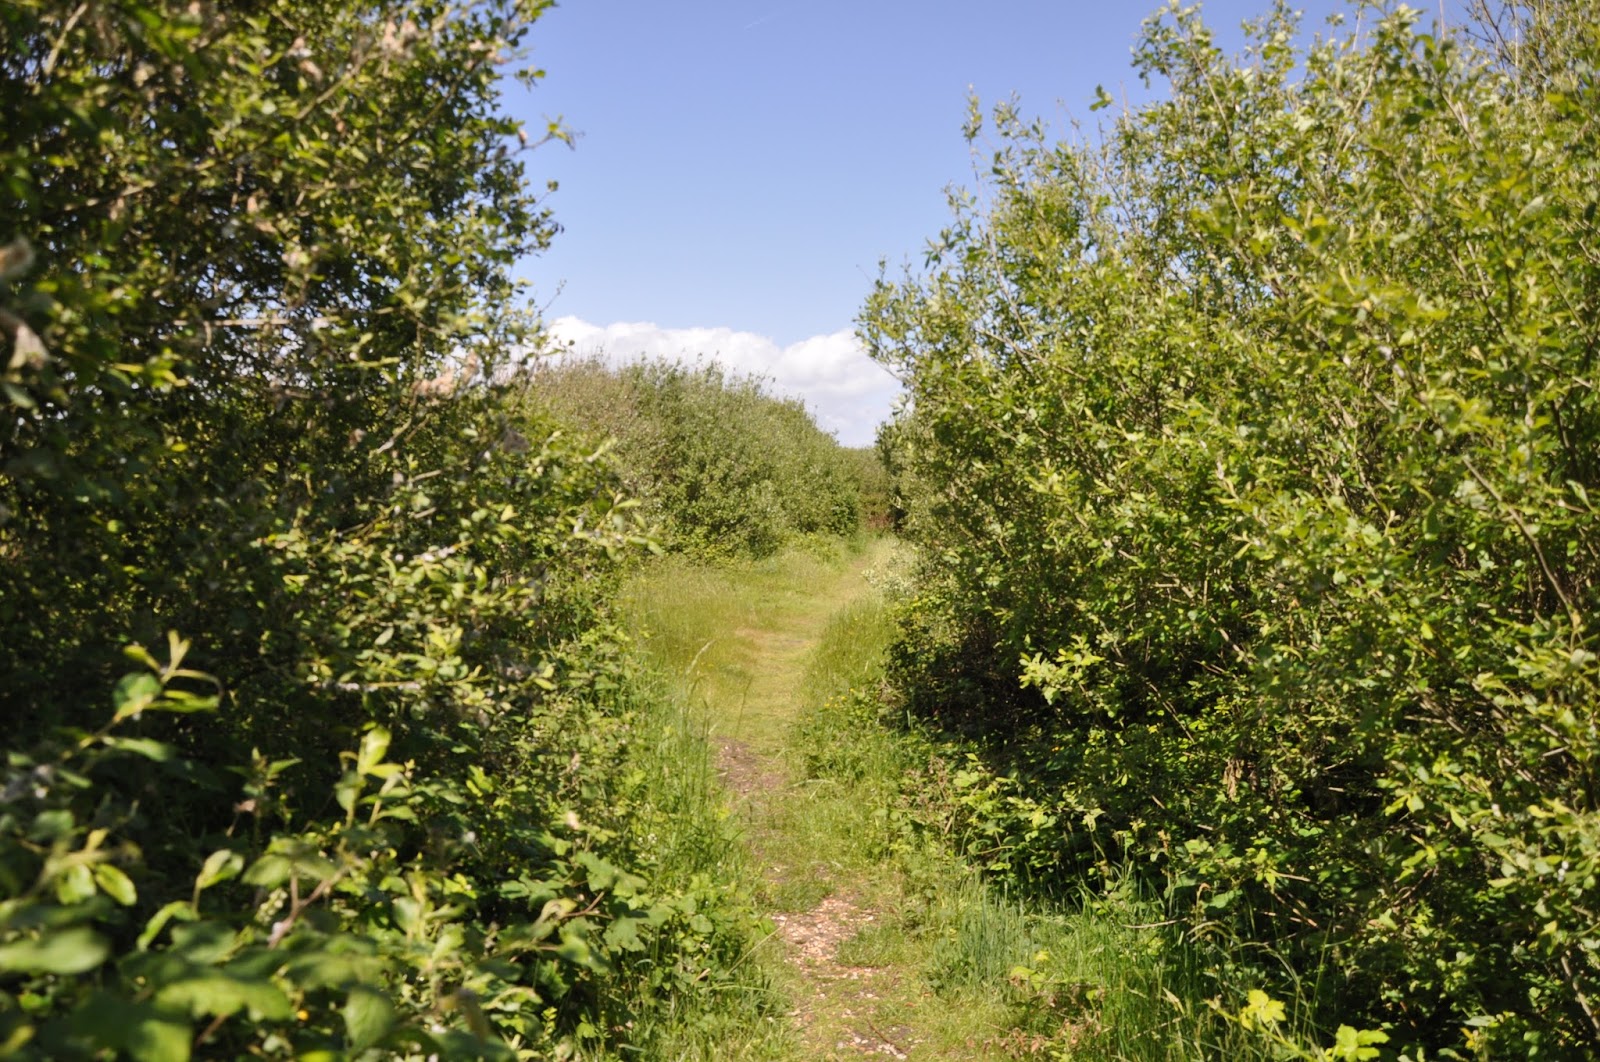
column 1252, row 452
column 875, row 486
column 723, row 468
column 319, row 733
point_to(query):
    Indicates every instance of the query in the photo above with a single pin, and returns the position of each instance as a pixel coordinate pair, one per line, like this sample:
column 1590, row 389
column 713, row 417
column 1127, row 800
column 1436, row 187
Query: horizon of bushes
column 723, row 467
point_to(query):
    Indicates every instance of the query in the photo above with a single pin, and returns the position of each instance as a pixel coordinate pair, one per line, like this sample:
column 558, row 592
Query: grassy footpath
column 884, row 943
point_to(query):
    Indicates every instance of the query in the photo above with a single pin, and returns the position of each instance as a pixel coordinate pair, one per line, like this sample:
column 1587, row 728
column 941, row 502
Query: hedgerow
column 722, row 467
column 319, row 731
column 1252, row 454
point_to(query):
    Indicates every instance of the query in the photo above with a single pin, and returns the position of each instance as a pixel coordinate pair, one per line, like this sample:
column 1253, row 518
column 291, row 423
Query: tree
column 241, row 237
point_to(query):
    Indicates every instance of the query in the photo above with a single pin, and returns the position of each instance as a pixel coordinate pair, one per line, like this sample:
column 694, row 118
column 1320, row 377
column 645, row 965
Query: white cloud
column 847, row 392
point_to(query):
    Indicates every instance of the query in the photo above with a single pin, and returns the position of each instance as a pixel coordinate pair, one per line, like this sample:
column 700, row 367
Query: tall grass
column 684, row 824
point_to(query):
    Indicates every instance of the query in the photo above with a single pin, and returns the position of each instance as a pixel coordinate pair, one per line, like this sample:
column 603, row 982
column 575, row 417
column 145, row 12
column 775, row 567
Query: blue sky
column 743, row 165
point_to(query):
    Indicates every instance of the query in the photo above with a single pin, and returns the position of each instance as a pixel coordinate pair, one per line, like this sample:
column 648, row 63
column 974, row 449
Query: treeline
column 1253, row 452
column 321, row 736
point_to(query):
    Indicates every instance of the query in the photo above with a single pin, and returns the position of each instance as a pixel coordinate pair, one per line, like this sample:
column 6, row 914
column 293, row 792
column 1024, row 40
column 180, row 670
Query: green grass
column 683, row 817
column 717, row 630
column 781, row 659
column 714, row 670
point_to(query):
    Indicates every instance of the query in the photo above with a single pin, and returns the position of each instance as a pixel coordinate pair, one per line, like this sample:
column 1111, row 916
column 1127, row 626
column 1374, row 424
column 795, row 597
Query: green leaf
column 17, row 395
column 347, row 790
column 133, row 693
column 115, row 884
column 220, row 994
column 75, row 885
column 180, row 909
column 1262, row 1011
column 1350, row 1045
column 407, row 914
column 270, row 871
column 140, row 655
column 574, row 948
column 183, row 702
column 623, row 935
column 219, row 866
column 139, row 1030
column 374, row 745
column 65, row 951
column 15, row 1032
column 204, row 942
column 601, row 874
column 368, row 1017
column 52, row 826
column 155, row 1038
column 313, row 969
column 150, row 750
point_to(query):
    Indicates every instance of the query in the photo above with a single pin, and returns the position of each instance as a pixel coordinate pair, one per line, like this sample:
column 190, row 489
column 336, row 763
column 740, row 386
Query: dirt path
column 841, row 1009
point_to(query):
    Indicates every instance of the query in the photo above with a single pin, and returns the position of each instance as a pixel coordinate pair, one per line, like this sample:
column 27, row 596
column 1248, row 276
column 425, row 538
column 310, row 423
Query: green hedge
column 1253, row 455
column 375, row 797
column 723, row 467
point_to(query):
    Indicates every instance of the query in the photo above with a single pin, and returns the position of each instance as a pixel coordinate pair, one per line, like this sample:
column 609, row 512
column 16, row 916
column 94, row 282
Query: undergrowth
column 1099, row 974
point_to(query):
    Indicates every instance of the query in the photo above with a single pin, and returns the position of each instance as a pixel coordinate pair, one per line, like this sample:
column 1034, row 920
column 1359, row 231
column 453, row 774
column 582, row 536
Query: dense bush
column 252, row 289
column 1253, row 457
column 724, row 468
column 875, row 487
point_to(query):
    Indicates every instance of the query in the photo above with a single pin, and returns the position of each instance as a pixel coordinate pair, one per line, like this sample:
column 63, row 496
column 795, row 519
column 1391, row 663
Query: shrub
column 724, row 468
column 376, row 799
column 1253, row 455
column 877, row 491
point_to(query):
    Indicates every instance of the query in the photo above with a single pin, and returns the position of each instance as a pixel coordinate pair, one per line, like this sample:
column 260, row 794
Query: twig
column 55, row 51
